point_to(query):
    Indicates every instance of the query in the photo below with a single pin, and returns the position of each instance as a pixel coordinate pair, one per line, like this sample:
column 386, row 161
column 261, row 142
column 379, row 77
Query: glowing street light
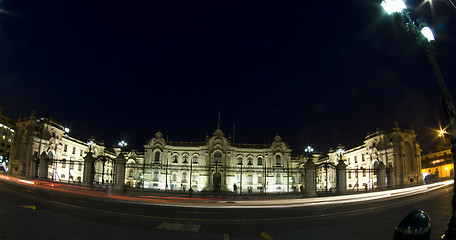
column 393, row 6
column 122, row 143
column 442, row 132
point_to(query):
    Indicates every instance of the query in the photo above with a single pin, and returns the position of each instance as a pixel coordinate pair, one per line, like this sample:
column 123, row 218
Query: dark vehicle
column 431, row 178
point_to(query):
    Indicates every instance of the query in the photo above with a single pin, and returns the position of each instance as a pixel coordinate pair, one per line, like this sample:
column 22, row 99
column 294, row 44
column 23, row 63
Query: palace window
column 278, row 180
column 63, row 163
column 174, row 177
column 249, row 179
column 175, row 158
column 356, row 160
column 71, row 165
column 157, row 156
column 239, row 161
column 184, row 177
column 65, row 148
column 185, row 159
column 217, row 157
column 278, row 160
column 195, row 159
column 80, row 167
column 260, row 179
column 156, row 176
column 259, row 161
column 249, row 161
column 130, row 173
column 74, row 150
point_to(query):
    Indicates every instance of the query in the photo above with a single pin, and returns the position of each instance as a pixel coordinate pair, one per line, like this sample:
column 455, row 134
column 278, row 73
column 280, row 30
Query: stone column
column 310, row 179
column 341, row 177
column 119, row 180
column 43, row 168
column 381, row 177
column 88, row 174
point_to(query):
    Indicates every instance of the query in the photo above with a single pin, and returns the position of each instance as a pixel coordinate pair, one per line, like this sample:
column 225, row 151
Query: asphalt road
column 33, row 213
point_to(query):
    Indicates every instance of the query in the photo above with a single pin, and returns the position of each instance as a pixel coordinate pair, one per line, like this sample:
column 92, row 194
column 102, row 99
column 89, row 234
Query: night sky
column 317, row 73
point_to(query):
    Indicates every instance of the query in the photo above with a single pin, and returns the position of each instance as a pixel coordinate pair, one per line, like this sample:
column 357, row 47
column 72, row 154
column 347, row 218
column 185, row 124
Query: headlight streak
column 214, row 203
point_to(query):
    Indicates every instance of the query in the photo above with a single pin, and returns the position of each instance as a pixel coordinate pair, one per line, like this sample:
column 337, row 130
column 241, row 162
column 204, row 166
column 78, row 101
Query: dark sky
column 314, row 72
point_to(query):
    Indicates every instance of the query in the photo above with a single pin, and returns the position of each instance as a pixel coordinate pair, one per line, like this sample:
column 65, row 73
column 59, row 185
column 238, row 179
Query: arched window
column 218, row 157
column 249, row 161
column 278, row 160
column 259, row 161
column 157, row 156
column 239, row 160
column 185, row 158
column 195, row 158
column 175, row 158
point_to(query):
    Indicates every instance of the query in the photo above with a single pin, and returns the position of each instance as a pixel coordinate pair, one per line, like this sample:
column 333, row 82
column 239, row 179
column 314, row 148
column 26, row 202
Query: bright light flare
column 427, row 33
column 442, row 132
column 122, row 143
column 26, row 181
column 393, row 6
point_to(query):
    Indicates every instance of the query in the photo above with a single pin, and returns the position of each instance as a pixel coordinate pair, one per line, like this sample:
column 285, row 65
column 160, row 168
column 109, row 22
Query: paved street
column 369, row 220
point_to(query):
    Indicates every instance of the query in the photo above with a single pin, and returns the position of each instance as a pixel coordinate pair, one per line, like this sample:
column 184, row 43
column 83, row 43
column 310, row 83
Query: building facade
column 7, row 129
column 397, row 149
column 217, row 164
column 438, row 163
column 43, row 148
column 39, row 137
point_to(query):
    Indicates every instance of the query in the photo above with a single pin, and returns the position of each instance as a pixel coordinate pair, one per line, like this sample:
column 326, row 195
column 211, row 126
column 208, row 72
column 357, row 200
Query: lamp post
column 425, row 39
column 308, row 152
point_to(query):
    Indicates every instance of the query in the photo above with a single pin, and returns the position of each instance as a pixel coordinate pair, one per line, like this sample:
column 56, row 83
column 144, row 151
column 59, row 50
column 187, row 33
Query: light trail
column 170, row 201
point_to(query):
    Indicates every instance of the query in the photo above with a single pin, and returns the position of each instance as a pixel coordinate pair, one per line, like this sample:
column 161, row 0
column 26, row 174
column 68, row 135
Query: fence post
column 88, row 170
column 341, row 177
column 310, row 179
column 381, row 177
column 119, row 180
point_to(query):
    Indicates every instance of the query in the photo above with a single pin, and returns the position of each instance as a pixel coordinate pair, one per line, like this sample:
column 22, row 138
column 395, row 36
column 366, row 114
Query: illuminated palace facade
column 397, row 149
column 37, row 138
column 215, row 164
column 43, row 148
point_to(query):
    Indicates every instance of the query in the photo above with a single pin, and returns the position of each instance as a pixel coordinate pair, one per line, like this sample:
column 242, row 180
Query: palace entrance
column 217, row 180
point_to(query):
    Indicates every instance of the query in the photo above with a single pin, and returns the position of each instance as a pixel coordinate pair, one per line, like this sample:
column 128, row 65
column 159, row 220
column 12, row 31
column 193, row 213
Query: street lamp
column 122, row 144
column 425, row 39
column 308, row 150
column 340, row 152
column 91, row 145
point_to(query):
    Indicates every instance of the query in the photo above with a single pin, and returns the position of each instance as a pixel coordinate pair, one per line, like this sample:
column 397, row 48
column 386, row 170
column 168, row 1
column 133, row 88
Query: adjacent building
column 7, row 129
column 36, row 137
column 397, row 149
column 439, row 162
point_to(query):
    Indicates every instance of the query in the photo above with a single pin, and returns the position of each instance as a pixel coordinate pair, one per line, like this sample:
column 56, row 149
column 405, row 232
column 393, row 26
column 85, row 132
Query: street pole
column 425, row 38
column 166, row 176
column 191, row 172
